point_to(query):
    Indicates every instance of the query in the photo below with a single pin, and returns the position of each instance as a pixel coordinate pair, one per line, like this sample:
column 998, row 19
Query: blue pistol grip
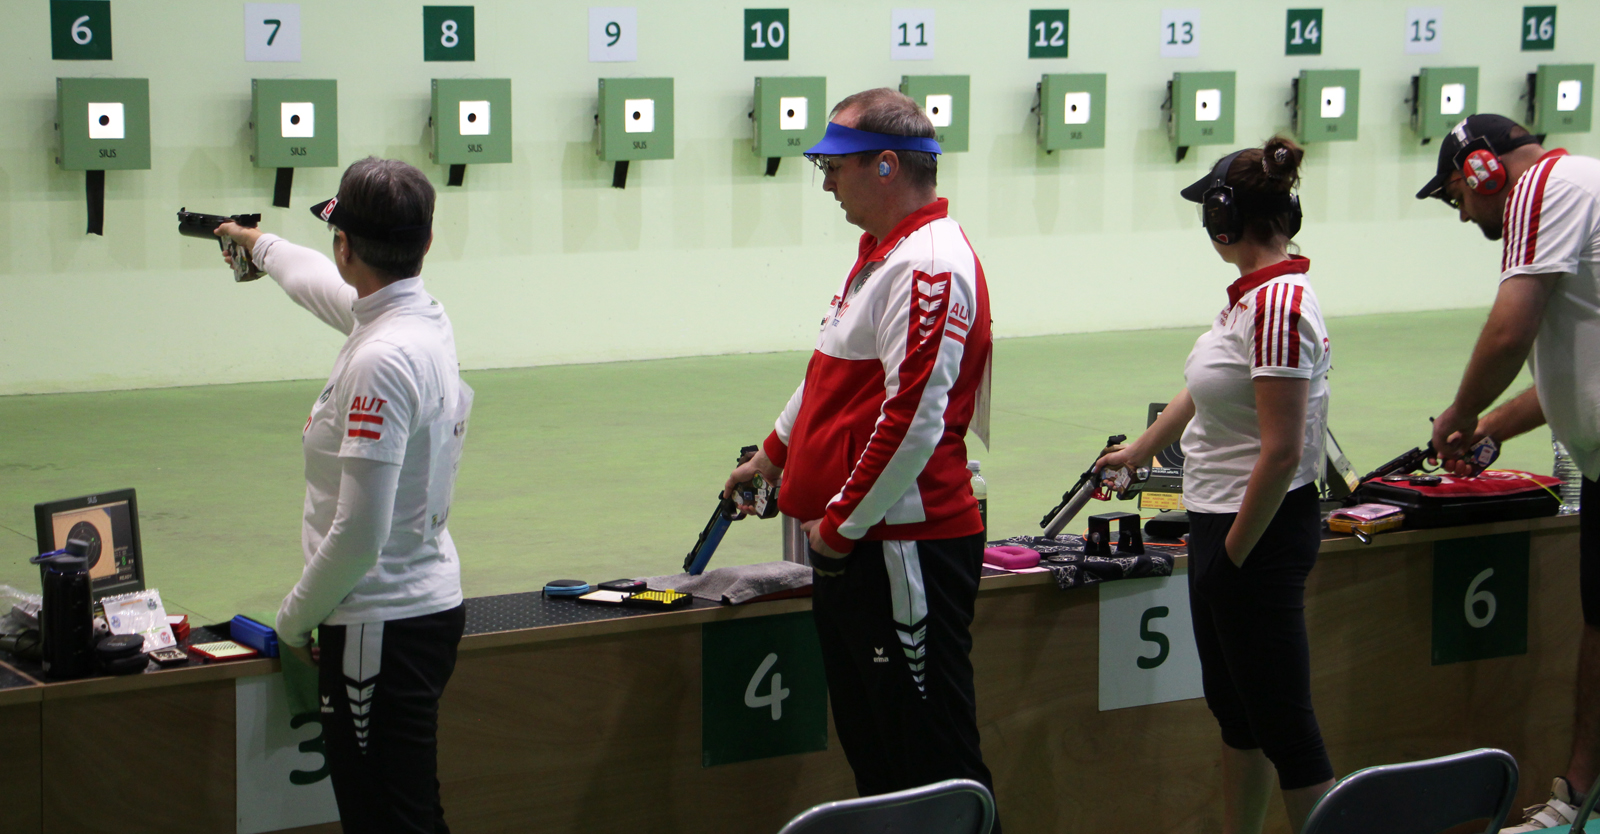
column 702, row 557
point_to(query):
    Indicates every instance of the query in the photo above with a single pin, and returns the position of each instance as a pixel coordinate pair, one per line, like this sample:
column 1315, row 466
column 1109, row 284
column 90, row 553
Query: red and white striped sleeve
column 1548, row 223
column 1282, row 339
column 921, row 338
column 777, row 443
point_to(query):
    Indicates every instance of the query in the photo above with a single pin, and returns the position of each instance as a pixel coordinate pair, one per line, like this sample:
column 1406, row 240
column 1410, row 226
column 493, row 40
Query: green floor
column 603, row 471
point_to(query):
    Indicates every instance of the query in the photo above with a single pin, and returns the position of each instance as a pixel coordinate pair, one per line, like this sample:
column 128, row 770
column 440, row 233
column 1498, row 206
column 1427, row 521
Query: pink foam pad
column 1011, row 557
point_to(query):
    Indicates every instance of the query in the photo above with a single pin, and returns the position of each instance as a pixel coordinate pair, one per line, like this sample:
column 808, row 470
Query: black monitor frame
column 44, row 529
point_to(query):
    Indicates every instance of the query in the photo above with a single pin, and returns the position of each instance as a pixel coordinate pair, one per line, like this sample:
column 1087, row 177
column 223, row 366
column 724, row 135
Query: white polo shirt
column 395, row 396
column 1552, row 225
column 1272, row 326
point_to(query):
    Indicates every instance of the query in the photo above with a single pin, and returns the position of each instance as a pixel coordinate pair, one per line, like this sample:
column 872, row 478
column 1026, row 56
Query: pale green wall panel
column 541, row 261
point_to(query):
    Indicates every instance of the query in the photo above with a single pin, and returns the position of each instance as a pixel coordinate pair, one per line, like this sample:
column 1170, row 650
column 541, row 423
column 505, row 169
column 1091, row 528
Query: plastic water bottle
column 1571, row 477
column 980, row 491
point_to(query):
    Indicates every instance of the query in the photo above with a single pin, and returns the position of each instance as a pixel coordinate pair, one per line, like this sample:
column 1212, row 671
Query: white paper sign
column 272, row 31
column 613, row 33
column 1147, row 653
column 1424, row 29
column 1180, row 33
column 281, row 775
column 911, row 35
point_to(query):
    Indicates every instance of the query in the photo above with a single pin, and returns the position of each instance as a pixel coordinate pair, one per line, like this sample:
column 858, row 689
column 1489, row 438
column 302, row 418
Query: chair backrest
column 1426, row 796
column 1584, row 811
column 954, row 806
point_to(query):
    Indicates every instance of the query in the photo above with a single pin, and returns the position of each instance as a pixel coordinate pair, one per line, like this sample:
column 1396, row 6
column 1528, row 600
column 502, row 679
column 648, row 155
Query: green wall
column 540, row 261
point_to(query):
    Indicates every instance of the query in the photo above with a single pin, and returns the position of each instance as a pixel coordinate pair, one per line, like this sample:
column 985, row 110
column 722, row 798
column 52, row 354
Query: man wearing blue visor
column 873, row 458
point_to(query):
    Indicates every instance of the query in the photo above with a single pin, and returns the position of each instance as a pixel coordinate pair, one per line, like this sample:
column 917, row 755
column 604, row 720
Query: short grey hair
column 883, row 110
column 388, row 193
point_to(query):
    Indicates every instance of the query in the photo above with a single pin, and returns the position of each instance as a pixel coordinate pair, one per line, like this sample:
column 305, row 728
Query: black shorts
column 1250, row 629
column 1589, row 552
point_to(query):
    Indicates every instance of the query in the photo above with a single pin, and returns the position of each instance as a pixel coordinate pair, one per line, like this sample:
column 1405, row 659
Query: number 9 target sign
column 613, row 33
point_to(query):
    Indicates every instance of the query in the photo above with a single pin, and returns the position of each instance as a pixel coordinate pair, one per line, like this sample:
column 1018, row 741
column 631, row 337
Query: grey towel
column 739, row 583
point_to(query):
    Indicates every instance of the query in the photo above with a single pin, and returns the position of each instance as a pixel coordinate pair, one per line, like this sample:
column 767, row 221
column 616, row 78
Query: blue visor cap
column 840, row 140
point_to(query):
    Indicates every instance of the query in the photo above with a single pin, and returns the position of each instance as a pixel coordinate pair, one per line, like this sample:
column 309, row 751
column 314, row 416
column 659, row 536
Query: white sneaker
column 1560, row 809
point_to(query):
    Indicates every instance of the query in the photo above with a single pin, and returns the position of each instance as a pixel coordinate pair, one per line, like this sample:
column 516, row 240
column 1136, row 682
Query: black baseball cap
column 331, row 211
column 1483, row 129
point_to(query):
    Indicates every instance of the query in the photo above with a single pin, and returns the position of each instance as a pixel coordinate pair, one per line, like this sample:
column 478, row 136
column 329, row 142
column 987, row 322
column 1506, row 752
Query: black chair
column 1584, row 811
column 1420, row 797
column 954, row 806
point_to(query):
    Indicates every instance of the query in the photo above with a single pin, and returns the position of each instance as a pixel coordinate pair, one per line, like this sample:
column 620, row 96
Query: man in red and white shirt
column 872, row 454
column 1545, row 206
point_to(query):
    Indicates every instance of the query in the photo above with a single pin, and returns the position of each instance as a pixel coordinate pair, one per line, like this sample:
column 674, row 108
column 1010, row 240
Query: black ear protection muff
column 1219, row 205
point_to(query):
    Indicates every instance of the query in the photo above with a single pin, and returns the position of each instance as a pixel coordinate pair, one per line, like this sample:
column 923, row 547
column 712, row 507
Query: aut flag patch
column 365, row 412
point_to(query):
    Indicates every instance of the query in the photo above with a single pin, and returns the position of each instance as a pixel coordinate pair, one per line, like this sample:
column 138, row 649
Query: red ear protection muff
column 1483, row 171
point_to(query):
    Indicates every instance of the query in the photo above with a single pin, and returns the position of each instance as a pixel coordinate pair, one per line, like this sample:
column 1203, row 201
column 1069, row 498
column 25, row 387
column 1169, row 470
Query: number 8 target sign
column 447, row 33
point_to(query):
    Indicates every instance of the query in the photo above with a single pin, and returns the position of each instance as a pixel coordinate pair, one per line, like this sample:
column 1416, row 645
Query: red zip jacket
column 873, row 441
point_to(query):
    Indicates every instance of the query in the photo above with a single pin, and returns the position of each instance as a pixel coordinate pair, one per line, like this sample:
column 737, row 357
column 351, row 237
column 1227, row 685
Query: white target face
column 938, row 107
column 297, row 120
column 1332, row 102
column 1075, row 108
column 639, row 115
column 474, row 118
column 1569, row 94
column 1452, row 99
column 1207, row 105
column 105, row 120
column 792, row 113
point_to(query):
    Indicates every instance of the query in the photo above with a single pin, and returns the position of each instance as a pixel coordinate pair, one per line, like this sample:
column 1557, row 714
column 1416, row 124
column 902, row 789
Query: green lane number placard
column 1047, row 33
column 80, row 30
column 766, row 34
column 1538, row 28
column 763, row 691
column 1480, row 598
column 447, row 33
column 1303, row 35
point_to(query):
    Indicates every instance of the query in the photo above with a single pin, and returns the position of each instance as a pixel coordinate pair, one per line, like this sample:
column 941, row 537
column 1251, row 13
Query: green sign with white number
column 1480, row 598
column 447, row 33
column 1538, row 28
column 80, row 30
column 1303, row 33
column 766, row 34
column 763, row 691
column 1047, row 33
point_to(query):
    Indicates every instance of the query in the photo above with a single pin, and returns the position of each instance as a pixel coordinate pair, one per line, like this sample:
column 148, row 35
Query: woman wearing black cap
column 382, row 582
column 1252, row 419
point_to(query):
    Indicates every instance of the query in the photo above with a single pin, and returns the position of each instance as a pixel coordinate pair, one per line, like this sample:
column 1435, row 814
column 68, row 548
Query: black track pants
column 895, row 629
column 379, row 685
column 1589, row 551
column 1250, row 628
